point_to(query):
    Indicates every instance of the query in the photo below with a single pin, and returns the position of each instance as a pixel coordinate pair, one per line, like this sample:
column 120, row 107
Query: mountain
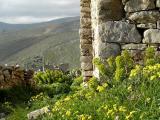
column 56, row 41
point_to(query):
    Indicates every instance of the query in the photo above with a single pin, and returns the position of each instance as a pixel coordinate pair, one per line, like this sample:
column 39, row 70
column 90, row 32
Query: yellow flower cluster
column 84, row 117
column 152, row 72
column 136, row 71
column 37, row 97
column 102, row 88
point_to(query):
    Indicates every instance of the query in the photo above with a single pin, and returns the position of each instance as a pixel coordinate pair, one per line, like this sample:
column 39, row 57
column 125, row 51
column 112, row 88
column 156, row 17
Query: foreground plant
column 125, row 92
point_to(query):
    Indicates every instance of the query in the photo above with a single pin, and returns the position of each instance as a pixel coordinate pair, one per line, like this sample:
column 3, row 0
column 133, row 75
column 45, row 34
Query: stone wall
column 11, row 76
column 86, row 39
column 117, row 25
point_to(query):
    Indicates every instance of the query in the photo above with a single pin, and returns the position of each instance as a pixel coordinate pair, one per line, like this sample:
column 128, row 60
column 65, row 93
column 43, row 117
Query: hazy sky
column 29, row 11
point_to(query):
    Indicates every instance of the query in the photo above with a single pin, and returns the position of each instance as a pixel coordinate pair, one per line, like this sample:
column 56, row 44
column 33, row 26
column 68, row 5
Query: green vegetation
column 126, row 91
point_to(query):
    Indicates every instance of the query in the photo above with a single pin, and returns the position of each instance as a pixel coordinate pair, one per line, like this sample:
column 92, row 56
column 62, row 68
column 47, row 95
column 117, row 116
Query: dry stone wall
column 116, row 25
column 86, row 39
column 11, row 76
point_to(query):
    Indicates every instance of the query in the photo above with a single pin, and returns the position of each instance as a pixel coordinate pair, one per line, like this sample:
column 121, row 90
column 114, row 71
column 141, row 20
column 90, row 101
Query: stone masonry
column 111, row 26
column 11, row 76
column 86, row 39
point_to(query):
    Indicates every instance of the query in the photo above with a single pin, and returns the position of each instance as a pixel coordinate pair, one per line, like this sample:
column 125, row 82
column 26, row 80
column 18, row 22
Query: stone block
column 107, row 50
column 139, row 5
column 86, row 41
column 158, row 24
column 85, row 23
column 86, row 59
column 37, row 113
column 85, row 9
column 85, row 1
column 147, row 26
column 86, row 52
column 158, row 3
column 119, row 32
column 124, row 1
column 87, row 73
column 109, row 10
column 144, row 17
column 85, row 33
column 134, row 46
column 85, row 15
column 1, row 78
column 87, row 66
column 85, row 4
column 152, row 36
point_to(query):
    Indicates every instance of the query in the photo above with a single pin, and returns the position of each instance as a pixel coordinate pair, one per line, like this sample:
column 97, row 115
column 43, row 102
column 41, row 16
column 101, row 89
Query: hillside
column 56, row 41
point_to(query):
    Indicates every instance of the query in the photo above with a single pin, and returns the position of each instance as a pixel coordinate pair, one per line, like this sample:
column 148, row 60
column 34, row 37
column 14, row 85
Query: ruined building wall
column 11, row 76
column 117, row 25
column 86, row 39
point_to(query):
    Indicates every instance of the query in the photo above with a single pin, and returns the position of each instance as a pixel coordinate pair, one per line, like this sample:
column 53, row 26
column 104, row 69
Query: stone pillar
column 86, row 40
column 102, row 12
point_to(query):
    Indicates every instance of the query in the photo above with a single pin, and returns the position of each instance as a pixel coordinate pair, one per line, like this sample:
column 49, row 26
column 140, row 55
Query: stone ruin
column 11, row 76
column 108, row 27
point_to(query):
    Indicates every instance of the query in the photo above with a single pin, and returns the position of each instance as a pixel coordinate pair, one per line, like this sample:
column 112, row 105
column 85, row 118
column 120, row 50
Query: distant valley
column 55, row 42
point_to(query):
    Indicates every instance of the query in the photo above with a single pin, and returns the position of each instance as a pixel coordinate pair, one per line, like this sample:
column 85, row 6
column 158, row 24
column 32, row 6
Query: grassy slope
column 57, row 40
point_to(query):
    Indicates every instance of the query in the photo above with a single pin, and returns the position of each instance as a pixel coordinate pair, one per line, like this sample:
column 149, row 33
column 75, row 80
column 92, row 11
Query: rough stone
column 86, row 41
column 158, row 24
column 139, row 5
column 147, row 25
column 2, row 119
column 151, row 36
column 87, row 73
column 87, row 66
column 86, row 52
column 119, row 32
column 108, row 49
column 85, row 1
column 2, row 115
column 85, row 9
column 158, row 3
column 7, row 74
column 84, row 4
column 109, row 10
column 85, row 15
column 86, row 49
column 134, row 46
column 85, row 33
column 145, row 17
column 85, row 23
column 124, row 1
column 86, row 59
column 35, row 114
column 137, row 55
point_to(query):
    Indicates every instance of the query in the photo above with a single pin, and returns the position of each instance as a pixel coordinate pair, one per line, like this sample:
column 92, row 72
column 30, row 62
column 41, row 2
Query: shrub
column 53, row 82
column 135, row 96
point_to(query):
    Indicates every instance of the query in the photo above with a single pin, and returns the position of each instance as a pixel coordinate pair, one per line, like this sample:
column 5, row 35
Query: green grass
column 131, row 95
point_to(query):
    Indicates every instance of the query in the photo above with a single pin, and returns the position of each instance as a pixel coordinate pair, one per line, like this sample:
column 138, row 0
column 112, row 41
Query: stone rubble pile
column 11, row 76
column 116, row 25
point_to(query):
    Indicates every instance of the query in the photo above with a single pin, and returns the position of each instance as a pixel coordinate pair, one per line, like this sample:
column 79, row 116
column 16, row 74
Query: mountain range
column 56, row 41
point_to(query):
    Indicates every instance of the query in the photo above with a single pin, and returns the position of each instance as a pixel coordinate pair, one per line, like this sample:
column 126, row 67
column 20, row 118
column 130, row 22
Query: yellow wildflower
column 100, row 88
column 153, row 77
column 129, row 88
column 67, row 99
column 122, row 109
column 68, row 113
